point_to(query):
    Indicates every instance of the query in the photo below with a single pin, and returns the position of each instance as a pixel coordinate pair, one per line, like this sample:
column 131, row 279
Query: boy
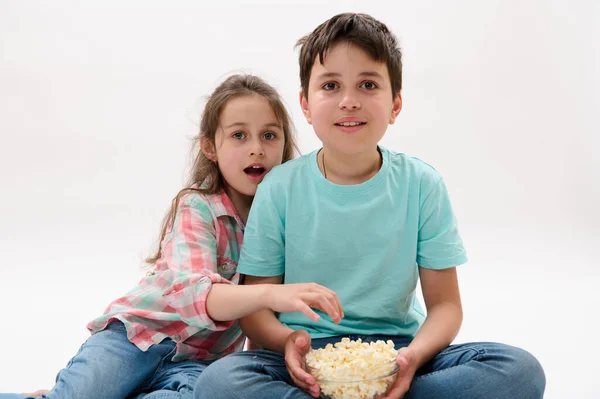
column 367, row 223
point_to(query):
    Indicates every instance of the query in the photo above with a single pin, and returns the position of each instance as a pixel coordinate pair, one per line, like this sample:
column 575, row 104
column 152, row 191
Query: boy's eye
column 330, row 86
column 270, row 136
column 238, row 135
column 369, row 85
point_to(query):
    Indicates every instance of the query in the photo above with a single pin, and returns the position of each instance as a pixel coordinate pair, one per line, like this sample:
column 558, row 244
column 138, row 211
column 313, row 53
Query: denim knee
column 221, row 379
column 529, row 370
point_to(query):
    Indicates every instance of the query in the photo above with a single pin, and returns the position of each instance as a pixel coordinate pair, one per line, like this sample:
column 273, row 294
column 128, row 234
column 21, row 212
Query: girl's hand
column 37, row 393
column 408, row 366
column 297, row 346
column 302, row 297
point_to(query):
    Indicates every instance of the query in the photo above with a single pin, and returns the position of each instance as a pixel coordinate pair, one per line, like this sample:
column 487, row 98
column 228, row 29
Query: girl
column 157, row 339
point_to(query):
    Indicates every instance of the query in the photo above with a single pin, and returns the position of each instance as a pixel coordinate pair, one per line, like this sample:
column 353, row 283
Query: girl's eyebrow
column 242, row 124
column 273, row 124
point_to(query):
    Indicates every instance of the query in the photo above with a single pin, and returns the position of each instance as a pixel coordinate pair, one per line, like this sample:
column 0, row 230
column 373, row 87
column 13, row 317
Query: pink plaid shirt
column 201, row 248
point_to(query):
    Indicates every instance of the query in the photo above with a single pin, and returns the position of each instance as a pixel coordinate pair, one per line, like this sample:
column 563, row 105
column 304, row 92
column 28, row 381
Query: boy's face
column 349, row 101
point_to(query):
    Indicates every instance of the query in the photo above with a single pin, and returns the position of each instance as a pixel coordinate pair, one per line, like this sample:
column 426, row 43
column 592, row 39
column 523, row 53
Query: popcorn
column 353, row 369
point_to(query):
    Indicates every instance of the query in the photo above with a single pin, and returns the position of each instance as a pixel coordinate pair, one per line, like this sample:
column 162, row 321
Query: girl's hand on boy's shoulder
column 297, row 346
column 407, row 361
column 302, row 297
column 37, row 393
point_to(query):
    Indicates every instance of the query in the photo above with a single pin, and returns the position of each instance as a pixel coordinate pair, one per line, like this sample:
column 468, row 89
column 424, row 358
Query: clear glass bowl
column 364, row 386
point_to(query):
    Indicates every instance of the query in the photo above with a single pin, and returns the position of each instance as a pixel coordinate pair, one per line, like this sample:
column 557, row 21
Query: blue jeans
column 475, row 370
column 108, row 366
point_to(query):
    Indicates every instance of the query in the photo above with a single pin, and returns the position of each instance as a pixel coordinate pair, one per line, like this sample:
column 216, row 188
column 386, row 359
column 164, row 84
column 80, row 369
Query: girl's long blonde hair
column 204, row 171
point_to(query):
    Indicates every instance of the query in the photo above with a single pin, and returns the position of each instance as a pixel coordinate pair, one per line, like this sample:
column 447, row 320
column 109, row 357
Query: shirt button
column 176, row 337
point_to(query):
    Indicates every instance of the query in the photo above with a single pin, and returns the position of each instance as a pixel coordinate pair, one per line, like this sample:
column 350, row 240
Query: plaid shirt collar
column 221, row 205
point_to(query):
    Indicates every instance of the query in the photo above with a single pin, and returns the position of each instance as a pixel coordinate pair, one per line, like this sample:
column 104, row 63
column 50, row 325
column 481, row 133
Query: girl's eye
column 330, row 86
column 238, row 135
column 369, row 85
column 270, row 136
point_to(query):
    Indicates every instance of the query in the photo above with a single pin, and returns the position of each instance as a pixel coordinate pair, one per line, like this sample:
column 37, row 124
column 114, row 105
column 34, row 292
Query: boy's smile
column 349, row 100
column 350, row 124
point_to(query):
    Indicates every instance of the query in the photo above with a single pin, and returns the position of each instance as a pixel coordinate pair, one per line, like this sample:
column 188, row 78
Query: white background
column 98, row 103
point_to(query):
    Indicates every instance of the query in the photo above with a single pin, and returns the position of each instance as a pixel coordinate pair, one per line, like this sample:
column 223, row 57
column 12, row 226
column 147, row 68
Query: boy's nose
column 349, row 102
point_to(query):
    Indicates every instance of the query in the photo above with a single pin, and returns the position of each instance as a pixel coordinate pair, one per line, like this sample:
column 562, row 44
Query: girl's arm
column 231, row 302
column 191, row 255
column 444, row 313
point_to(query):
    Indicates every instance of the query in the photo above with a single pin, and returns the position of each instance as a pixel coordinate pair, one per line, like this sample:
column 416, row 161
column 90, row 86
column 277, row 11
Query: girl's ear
column 208, row 149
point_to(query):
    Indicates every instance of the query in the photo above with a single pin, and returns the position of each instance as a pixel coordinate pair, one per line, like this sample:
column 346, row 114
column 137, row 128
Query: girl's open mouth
column 254, row 171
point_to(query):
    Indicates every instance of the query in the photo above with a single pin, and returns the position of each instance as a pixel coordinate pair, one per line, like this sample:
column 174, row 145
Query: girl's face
column 249, row 143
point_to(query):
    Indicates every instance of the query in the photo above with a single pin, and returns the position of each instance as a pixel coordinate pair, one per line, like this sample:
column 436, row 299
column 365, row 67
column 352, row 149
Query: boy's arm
column 444, row 313
column 263, row 328
column 439, row 251
column 444, row 317
column 263, row 254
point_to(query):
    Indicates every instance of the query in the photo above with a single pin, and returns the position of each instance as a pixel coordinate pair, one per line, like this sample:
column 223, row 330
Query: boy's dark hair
column 361, row 30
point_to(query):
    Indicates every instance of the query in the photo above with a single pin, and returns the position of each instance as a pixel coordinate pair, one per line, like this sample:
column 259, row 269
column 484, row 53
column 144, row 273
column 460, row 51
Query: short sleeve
column 264, row 237
column 439, row 244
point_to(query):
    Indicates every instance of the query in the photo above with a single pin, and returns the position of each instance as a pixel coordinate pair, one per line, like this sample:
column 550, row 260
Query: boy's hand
column 302, row 297
column 297, row 346
column 408, row 366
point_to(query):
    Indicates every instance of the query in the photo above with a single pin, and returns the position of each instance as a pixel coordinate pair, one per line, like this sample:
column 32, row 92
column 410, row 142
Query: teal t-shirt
column 364, row 241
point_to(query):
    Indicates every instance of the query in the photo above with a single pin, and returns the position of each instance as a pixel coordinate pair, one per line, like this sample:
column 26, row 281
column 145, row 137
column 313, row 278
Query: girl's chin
column 246, row 189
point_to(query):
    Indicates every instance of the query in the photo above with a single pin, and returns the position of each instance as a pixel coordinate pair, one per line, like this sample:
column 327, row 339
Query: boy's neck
column 349, row 169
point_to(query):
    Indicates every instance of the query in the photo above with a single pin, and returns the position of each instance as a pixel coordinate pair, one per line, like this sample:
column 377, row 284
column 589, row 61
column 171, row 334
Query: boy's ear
column 304, row 106
column 208, row 149
column 396, row 108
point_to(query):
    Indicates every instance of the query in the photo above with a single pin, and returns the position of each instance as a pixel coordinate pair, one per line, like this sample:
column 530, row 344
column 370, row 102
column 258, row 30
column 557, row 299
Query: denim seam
column 70, row 363
column 163, row 395
column 149, row 382
column 480, row 352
